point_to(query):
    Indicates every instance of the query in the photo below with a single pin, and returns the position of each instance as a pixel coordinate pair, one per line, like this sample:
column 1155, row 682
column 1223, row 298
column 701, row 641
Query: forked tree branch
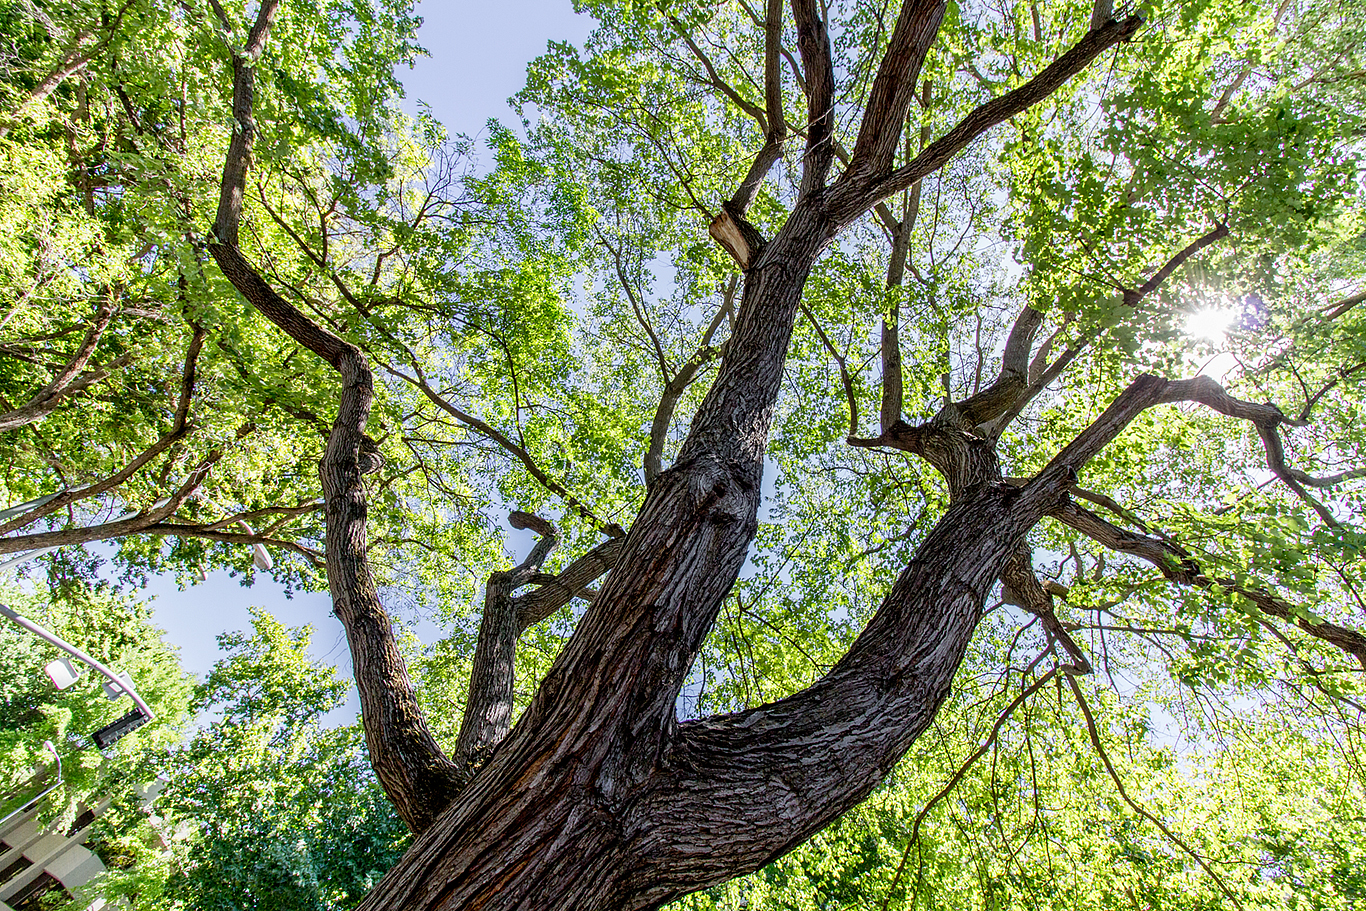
column 958, row 551
column 487, row 716
column 1013, row 378
column 894, row 88
column 678, row 383
column 866, row 711
column 1021, row 380
column 730, row 228
column 120, row 528
column 854, row 197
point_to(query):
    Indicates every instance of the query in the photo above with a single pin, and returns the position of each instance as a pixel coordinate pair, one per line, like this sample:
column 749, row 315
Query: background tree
column 273, row 809
column 1005, row 306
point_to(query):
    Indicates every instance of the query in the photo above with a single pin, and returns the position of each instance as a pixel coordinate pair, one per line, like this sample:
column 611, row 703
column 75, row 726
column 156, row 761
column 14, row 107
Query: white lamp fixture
column 114, row 691
column 62, row 673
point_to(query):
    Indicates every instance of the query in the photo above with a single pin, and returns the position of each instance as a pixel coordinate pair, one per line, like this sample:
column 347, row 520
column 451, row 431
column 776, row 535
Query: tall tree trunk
column 581, row 812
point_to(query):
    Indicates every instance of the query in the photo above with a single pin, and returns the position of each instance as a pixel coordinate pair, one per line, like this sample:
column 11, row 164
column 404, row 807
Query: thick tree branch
column 1023, row 589
column 1041, row 378
column 813, row 42
column 964, row 458
column 416, row 775
column 735, row 234
column 772, row 122
column 773, row 84
column 487, row 716
column 894, row 88
column 1343, row 306
column 233, row 188
column 1147, row 391
column 892, row 385
column 867, row 710
column 881, row 210
column 554, row 592
column 991, row 402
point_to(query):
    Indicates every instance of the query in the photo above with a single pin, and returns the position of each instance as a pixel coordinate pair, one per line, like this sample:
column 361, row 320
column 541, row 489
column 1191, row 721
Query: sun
column 1210, row 324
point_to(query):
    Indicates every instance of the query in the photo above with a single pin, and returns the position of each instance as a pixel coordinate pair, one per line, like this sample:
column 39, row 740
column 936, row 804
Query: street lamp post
column 106, row 735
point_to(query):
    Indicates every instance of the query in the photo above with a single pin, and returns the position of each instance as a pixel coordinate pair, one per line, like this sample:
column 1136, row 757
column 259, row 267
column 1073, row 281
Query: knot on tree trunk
column 740, row 239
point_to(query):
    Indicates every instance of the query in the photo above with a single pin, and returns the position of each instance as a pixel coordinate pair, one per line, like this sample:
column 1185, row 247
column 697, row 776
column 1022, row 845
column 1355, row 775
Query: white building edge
column 36, row 860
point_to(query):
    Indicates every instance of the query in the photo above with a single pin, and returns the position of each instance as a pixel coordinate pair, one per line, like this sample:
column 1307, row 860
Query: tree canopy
column 946, row 414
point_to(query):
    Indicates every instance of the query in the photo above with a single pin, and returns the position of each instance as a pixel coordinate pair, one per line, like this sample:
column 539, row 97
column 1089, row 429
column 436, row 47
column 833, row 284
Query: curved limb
column 415, row 773
column 1176, row 565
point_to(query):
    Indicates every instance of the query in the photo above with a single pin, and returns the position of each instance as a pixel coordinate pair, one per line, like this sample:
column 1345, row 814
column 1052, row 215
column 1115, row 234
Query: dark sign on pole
column 108, row 735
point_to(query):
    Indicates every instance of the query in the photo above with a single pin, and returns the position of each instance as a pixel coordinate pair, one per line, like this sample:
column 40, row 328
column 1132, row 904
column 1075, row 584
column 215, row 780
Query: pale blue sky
column 478, row 57
column 479, row 52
